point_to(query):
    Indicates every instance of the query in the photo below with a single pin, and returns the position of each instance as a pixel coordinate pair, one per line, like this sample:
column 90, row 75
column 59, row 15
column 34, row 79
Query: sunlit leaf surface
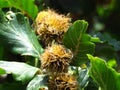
column 38, row 83
column 27, row 7
column 16, row 34
column 20, row 71
column 79, row 42
column 105, row 76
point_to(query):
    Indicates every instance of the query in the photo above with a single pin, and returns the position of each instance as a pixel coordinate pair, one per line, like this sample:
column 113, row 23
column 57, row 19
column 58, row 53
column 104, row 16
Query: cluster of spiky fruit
column 51, row 26
column 56, row 58
column 63, row 81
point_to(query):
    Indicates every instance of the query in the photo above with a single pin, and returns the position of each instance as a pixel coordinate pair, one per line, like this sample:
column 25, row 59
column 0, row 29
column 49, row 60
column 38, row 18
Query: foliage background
column 103, row 17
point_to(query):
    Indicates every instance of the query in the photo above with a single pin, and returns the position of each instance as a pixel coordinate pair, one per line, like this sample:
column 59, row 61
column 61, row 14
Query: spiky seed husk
column 56, row 58
column 51, row 26
column 63, row 81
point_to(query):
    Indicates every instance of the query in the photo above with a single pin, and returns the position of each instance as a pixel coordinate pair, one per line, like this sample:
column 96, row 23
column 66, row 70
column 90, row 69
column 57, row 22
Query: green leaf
column 112, row 63
column 20, row 71
column 106, row 37
column 26, row 6
column 2, row 71
column 39, row 82
column 96, row 39
column 16, row 33
column 83, row 78
column 105, row 76
column 4, row 4
column 79, row 42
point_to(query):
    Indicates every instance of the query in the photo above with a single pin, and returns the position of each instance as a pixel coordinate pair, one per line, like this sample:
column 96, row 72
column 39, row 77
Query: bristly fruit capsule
column 63, row 81
column 56, row 58
column 51, row 26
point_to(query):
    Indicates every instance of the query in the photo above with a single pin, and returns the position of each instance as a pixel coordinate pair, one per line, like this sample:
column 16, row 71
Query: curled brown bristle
column 56, row 58
column 63, row 81
column 51, row 26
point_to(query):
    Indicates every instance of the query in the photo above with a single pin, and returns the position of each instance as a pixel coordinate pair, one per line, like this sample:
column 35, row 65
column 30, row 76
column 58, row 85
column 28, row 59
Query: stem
column 77, row 70
column 99, row 88
column 36, row 62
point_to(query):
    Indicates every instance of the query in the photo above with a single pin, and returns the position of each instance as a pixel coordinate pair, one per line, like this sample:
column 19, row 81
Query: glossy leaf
column 26, row 6
column 20, row 71
column 105, row 76
column 79, row 42
column 37, row 83
column 16, row 33
column 96, row 39
column 83, row 78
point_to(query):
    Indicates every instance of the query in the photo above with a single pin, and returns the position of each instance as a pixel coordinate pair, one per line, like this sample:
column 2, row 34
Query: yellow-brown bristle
column 63, row 81
column 51, row 25
column 56, row 58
